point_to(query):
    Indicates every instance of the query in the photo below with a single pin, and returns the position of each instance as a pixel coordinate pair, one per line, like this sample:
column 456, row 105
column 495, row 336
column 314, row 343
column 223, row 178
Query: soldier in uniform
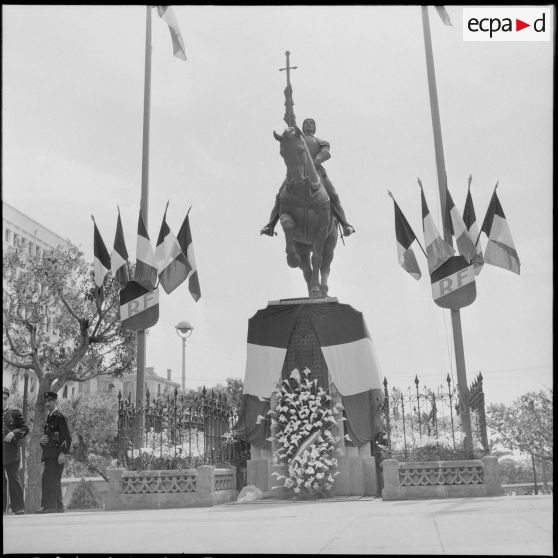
column 13, row 430
column 56, row 444
column 319, row 149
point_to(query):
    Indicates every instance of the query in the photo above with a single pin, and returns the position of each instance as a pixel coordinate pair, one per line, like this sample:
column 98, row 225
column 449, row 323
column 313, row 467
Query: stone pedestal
column 356, row 465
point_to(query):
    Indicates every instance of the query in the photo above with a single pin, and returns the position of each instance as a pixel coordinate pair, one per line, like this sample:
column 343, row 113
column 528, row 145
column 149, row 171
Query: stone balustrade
column 205, row 486
column 441, row 479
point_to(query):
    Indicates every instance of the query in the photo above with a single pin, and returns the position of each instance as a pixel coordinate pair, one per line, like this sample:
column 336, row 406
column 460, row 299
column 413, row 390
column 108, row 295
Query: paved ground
column 519, row 525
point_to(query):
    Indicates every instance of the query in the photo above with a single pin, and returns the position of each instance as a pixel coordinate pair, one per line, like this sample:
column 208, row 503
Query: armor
column 319, row 150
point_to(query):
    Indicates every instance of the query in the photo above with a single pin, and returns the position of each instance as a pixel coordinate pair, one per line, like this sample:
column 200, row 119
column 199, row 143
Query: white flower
column 296, row 489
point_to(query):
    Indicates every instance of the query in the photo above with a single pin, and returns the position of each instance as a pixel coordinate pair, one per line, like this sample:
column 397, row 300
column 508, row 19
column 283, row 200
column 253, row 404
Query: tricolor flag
column 146, row 265
column 404, row 237
column 438, row 250
column 347, row 349
column 500, row 249
column 443, row 15
column 470, row 220
column 166, row 13
column 101, row 262
column 172, row 265
column 119, row 256
column 465, row 244
column 185, row 240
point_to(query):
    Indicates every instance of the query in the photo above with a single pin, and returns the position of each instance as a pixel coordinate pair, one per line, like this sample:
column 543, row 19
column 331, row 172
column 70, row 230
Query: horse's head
column 291, row 145
column 294, row 151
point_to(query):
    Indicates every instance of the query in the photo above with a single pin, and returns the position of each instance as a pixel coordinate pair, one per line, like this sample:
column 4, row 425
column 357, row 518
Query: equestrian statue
column 307, row 204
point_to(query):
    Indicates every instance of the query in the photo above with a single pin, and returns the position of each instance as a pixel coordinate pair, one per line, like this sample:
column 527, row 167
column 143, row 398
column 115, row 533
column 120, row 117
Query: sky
column 73, row 80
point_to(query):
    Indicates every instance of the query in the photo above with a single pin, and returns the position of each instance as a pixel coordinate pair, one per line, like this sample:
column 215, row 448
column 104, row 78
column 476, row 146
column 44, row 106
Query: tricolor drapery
column 349, row 354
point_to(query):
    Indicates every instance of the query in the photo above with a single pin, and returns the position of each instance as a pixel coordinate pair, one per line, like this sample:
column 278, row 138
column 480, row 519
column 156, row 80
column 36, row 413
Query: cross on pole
column 289, row 117
column 288, row 68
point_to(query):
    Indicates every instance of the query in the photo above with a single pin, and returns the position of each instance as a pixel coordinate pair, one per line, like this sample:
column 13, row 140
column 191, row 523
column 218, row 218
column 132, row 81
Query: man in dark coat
column 13, row 430
column 56, row 444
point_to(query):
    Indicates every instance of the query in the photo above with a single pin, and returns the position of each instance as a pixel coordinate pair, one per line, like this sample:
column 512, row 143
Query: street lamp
column 184, row 330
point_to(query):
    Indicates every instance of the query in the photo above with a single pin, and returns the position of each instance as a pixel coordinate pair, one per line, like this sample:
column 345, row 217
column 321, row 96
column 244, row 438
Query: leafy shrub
column 85, row 496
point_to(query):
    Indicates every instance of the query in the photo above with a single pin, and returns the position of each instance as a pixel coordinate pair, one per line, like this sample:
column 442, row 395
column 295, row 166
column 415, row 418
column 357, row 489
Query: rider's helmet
column 309, row 125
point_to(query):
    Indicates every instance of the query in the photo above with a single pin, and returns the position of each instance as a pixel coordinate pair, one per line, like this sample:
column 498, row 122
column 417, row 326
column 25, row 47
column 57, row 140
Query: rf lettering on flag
column 139, row 307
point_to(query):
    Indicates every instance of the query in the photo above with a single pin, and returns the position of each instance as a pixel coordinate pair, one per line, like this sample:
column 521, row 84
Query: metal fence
column 423, row 424
column 181, row 431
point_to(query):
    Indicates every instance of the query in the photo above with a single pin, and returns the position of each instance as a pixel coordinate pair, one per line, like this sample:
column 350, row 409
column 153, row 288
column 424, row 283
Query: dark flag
column 146, row 265
column 405, row 237
column 187, row 247
column 119, row 256
column 465, row 244
column 438, row 251
column 470, row 220
column 101, row 263
column 500, row 249
column 172, row 264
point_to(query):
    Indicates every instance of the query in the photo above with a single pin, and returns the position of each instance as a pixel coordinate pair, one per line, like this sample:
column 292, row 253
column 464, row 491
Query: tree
column 93, row 423
column 525, row 425
column 57, row 287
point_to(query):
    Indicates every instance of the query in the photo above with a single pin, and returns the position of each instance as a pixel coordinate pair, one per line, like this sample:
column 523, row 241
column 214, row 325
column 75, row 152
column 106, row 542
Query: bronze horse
column 305, row 214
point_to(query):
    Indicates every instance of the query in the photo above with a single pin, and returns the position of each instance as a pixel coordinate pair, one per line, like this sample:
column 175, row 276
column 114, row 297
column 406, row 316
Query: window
column 73, row 391
column 37, row 250
column 8, row 236
column 16, row 239
column 65, row 393
column 30, row 247
column 86, row 387
column 158, row 389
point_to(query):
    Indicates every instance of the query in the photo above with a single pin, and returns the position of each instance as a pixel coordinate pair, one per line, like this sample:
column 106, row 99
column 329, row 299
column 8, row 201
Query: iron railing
column 423, row 424
column 181, row 431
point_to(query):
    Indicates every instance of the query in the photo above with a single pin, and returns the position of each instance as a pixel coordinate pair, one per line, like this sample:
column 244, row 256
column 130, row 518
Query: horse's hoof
column 293, row 260
column 315, row 292
column 324, row 291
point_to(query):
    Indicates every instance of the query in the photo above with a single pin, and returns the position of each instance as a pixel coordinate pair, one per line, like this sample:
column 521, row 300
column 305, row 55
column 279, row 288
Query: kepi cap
column 51, row 395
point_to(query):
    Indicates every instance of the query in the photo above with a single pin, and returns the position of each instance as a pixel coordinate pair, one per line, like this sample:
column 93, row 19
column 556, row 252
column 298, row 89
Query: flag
column 465, row 244
column 443, row 15
column 146, row 265
column 101, row 262
column 166, row 13
column 500, row 249
column 438, row 250
column 404, row 237
column 172, row 264
column 185, row 240
column 119, row 256
column 470, row 220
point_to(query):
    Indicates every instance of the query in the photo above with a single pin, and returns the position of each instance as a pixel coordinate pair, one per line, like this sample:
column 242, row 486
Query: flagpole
column 144, row 206
column 441, row 171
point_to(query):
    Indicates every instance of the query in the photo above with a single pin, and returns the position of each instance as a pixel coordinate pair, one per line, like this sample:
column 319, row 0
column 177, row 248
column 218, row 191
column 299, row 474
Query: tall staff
column 144, row 205
column 441, row 170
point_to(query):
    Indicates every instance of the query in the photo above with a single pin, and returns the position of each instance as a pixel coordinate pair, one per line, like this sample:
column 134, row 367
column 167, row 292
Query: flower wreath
column 302, row 423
